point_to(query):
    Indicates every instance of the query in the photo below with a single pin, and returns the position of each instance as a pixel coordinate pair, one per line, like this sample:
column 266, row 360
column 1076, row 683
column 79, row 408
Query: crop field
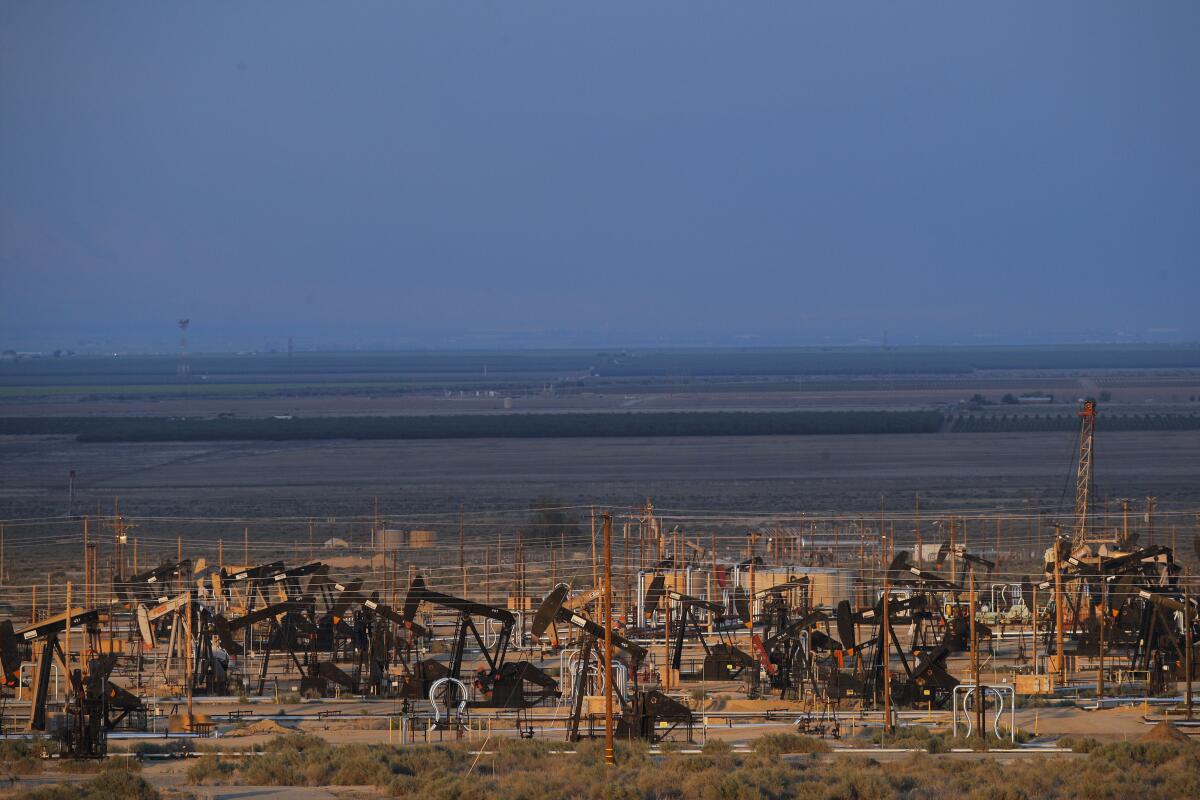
column 1130, row 380
column 430, row 430
column 751, row 473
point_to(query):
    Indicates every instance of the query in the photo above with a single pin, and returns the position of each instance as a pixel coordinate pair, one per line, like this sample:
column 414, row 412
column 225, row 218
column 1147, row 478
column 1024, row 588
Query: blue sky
column 404, row 174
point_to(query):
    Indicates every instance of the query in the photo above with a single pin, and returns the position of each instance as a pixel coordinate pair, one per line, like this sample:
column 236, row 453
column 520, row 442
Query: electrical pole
column 1125, row 522
column 1058, row 611
column 979, row 698
column 462, row 556
column 87, row 586
column 1188, row 644
column 996, row 558
column 1100, row 630
column 595, row 575
column 609, row 755
column 1151, row 502
column 918, row 531
column 67, row 632
column 882, row 534
column 953, row 559
column 187, row 661
column 1034, row 615
column 886, row 644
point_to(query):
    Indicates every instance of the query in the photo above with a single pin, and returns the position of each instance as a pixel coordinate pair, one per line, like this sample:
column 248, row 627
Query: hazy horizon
column 380, row 176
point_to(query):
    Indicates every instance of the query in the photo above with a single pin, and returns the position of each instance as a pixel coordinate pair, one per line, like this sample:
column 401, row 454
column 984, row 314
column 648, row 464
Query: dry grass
column 530, row 771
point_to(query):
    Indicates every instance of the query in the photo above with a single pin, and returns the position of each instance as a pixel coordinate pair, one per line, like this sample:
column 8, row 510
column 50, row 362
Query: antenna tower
column 184, row 369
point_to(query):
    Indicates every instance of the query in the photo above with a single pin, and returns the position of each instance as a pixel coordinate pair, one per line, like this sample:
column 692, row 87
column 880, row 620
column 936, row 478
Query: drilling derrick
column 1083, row 475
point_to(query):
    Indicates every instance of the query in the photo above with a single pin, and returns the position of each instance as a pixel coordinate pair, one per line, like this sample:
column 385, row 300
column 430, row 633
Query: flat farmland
column 1128, row 392
column 718, row 475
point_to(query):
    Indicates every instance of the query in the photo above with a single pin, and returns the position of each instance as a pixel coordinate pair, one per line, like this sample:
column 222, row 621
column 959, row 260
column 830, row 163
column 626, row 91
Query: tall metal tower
column 184, row 369
column 1083, row 475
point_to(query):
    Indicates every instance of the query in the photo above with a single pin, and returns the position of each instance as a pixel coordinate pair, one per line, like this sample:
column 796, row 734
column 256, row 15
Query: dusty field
column 1136, row 391
column 719, row 475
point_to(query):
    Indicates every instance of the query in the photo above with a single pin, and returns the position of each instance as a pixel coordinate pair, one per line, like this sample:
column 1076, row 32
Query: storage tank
column 390, row 539
column 419, row 539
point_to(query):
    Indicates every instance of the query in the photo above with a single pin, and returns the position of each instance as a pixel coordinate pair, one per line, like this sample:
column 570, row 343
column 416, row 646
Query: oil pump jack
column 790, row 656
column 288, row 610
column 722, row 661
column 502, row 684
column 1138, row 596
column 378, row 632
column 210, row 663
column 95, row 705
column 649, row 715
column 154, row 585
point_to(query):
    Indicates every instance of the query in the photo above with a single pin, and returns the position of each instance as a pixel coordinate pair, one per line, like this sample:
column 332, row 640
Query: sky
column 406, row 174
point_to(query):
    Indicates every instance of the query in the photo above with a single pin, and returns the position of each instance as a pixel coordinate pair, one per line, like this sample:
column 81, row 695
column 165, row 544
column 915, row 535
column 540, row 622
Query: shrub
column 209, row 769
column 782, row 743
column 717, row 747
column 19, row 758
column 109, row 785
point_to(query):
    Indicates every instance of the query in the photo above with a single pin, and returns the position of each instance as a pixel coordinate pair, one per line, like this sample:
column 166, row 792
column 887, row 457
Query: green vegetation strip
column 509, row 426
column 1031, row 423
column 568, row 426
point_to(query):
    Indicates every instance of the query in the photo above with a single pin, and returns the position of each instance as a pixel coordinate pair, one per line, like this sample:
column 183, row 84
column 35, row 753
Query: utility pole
column 609, row 755
column 1100, row 631
column 1188, row 644
column 1058, row 610
column 1151, row 502
column 119, row 526
column 87, row 594
column 67, row 633
column 953, row 559
column 886, row 644
column 1034, row 609
column 628, row 596
column 712, row 575
column 1125, row 522
column 979, row 698
column 595, row 575
column 882, row 534
column 996, row 557
column 246, row 546
column 917, row 531
column 462, row 553
column 187, row 661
